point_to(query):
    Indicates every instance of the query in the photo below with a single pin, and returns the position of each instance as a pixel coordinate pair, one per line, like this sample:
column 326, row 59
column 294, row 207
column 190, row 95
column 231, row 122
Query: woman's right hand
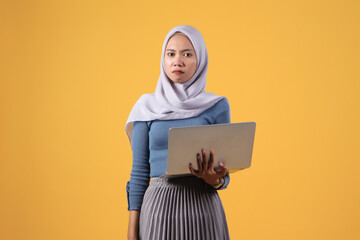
column 133, row 230
column 206, row 170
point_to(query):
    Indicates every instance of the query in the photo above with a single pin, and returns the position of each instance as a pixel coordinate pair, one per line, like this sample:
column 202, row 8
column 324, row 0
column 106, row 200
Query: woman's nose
column 178, row 61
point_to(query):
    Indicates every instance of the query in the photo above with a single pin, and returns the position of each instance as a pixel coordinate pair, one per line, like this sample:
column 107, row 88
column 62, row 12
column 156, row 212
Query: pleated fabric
column 182, row 209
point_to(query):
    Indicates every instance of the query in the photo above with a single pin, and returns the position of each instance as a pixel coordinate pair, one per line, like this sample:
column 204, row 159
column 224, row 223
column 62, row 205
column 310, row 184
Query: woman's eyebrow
column 184, row 50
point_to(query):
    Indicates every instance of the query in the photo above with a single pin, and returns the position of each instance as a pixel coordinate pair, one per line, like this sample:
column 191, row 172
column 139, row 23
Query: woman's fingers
column 223, row 166
column 198, row 159
column 221, row 169
column 192, row 170
column 222, row 173
column 204, row 161
column 211, row 161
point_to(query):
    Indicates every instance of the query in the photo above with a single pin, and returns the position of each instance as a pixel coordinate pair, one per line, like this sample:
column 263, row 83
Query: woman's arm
column 140, row 175
column 224, row 117
column 133, row 230
column 206, row 171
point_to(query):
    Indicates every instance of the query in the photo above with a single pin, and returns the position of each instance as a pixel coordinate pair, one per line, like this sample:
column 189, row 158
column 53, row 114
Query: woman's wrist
column 220, row 183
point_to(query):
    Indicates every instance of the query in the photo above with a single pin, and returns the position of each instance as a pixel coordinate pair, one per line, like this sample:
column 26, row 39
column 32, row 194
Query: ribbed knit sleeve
column 223, row 116
column 140, row 173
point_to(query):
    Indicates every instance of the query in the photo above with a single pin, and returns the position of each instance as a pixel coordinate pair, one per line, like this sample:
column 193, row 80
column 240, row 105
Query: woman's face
column 180, row 59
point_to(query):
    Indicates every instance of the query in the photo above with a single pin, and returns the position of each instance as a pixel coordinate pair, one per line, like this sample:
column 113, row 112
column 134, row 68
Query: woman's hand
column 206, row 169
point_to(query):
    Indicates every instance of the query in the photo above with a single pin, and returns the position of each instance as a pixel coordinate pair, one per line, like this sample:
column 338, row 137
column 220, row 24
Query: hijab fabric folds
column 175, row 100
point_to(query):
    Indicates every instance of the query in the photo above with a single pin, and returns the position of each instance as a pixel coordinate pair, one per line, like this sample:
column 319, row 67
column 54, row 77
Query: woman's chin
column 179, row 80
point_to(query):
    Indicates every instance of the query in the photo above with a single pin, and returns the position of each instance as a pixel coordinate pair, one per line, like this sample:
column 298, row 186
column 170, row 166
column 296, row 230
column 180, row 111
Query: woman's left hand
column 206, row 169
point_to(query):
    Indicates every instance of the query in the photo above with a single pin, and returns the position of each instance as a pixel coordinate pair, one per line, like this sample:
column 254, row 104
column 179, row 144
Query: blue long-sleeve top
column 150, row 147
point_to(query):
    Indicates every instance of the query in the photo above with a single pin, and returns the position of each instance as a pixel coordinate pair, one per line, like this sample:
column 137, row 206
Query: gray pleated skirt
column 182, row 208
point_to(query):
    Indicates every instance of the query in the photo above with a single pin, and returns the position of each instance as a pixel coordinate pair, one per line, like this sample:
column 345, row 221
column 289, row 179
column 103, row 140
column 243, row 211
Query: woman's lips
column 177, row 72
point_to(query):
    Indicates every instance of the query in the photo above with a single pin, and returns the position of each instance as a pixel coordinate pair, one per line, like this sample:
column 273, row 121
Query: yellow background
column 70, row 72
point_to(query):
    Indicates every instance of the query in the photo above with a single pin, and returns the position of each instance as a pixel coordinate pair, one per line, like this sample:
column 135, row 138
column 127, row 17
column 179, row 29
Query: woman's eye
column 171, row 54
column 187, row 54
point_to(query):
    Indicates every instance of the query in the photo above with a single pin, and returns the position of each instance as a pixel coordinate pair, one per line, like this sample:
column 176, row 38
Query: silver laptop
column 231, row 143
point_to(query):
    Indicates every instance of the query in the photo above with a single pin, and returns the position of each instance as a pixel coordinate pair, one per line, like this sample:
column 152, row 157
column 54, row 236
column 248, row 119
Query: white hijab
column 175, row 100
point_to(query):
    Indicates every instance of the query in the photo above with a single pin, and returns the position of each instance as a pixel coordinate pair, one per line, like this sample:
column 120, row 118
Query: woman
column 186, row 207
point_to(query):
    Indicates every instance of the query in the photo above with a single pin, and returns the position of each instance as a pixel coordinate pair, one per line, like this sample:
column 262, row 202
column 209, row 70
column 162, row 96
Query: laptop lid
column 231, row 143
